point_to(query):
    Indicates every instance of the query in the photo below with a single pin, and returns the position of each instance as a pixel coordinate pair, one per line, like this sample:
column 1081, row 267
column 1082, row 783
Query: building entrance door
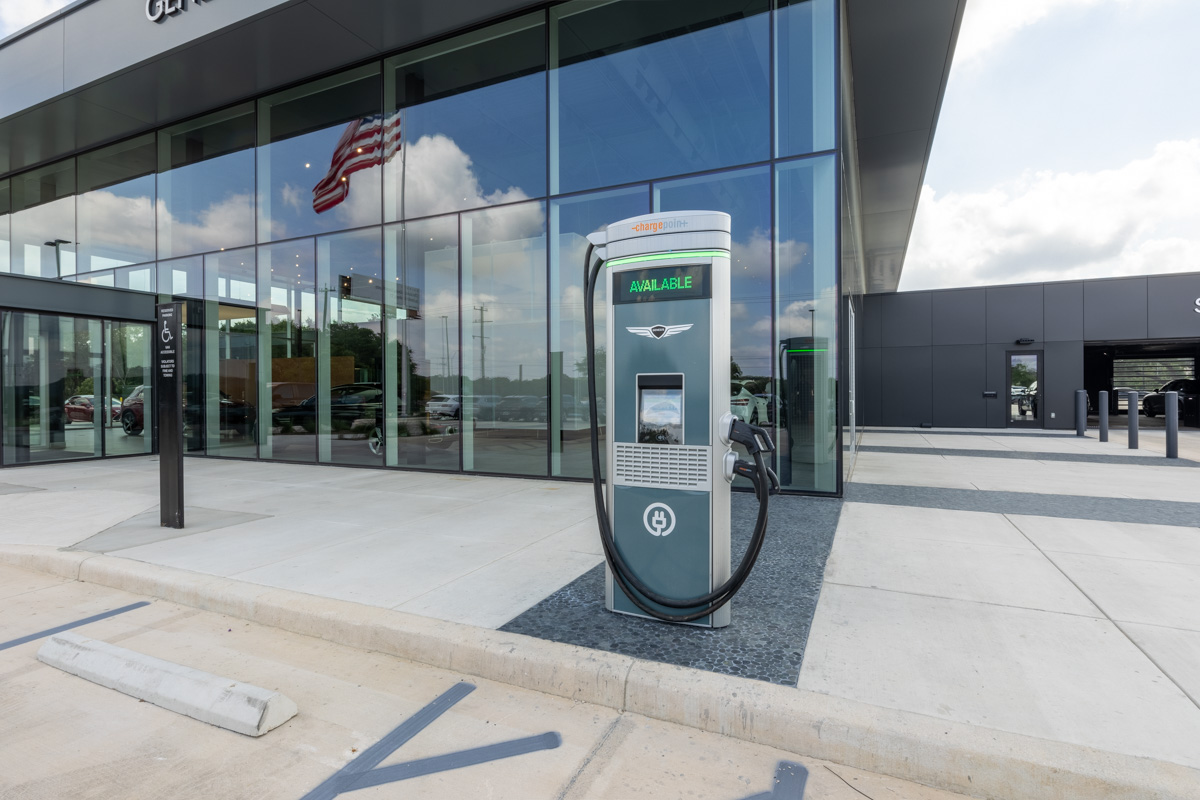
column 1024, row 390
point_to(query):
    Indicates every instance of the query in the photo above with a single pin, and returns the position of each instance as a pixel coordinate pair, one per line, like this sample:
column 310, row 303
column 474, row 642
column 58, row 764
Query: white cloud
column 1135, row 220
column 225, row 223
column 17, row 14
column 293, row 196
column 987, row 24
column 439, row 177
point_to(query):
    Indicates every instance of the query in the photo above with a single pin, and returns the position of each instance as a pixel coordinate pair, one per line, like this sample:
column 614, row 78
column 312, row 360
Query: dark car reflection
column 235, row 417
column 349, row 405
column 521, row 408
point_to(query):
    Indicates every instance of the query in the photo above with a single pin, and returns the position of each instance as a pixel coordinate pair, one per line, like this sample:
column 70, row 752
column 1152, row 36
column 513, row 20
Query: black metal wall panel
column 1014, row 312
column 959, row 316
column 1115, row 309
column 1063, row 311
column 959, row 377
column 997, row 381
column 870, row 390
column 872, row 321
column 907, row 386
column 906, row 320
column 1062, row 367
column 1174, row 306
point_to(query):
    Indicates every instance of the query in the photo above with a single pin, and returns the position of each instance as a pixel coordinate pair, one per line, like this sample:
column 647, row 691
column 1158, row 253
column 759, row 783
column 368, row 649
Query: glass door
column 1024, row 390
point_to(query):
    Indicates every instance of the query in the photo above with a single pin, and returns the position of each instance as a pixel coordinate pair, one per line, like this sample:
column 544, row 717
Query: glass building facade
column 383, row 266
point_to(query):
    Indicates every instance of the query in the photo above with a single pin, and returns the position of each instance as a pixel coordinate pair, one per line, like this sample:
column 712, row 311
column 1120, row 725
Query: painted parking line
column 790, row 779
column 51, row 631
column 361, row 772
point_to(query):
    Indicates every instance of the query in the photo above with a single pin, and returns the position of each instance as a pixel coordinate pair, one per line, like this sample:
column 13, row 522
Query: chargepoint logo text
column 655, row 227
column 159, row 10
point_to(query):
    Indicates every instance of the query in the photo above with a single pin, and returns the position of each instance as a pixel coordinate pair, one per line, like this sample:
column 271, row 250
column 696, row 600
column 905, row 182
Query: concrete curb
column 948, row 755
column 233, row 705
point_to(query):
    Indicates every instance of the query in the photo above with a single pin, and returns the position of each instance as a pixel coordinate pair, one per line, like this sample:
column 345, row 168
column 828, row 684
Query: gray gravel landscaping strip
column 1108, row 509
column 988, row 434
column 771, row 614
column 1143, row 461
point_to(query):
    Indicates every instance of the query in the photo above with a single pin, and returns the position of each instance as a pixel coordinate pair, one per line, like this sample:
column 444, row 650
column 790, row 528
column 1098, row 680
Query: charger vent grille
column 663, row 466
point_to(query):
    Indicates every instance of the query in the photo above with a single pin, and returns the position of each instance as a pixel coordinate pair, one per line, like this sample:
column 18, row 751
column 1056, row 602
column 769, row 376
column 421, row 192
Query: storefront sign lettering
column 159, row 10
column 1197, row 308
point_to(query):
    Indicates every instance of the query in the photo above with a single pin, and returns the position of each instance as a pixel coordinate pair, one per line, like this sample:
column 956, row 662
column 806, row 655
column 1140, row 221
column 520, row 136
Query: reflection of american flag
column 365, row 143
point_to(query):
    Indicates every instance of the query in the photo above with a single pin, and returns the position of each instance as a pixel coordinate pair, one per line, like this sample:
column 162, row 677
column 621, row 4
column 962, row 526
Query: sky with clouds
column 1068, row 145
column 16, row 14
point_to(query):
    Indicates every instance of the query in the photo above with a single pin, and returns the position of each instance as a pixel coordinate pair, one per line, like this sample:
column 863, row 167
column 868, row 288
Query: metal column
column 1080, row 412
column 1131, row 413
column 1103, row 409
column 1171, row 412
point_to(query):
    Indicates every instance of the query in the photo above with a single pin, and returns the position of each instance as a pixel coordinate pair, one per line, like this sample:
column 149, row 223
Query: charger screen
column 660, row 415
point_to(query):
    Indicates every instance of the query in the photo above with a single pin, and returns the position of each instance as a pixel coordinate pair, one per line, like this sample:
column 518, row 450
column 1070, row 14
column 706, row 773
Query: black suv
column 1189, row 397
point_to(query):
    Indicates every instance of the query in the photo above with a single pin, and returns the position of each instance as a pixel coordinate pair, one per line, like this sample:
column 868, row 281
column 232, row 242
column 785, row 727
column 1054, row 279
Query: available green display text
column 664, row 285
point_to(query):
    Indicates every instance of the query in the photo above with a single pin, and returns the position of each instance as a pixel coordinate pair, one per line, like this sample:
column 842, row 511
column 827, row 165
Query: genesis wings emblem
column 660, row 331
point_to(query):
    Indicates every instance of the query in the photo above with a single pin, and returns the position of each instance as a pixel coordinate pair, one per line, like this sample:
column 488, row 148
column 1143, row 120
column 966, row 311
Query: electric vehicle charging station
column 665, row 517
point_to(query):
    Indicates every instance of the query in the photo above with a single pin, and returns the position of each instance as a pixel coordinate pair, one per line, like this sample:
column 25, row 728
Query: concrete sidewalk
column 961, row 640
column 1019, row 594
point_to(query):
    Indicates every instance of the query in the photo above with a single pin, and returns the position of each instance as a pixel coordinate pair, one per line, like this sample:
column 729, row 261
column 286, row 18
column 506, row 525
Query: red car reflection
column 80, row 408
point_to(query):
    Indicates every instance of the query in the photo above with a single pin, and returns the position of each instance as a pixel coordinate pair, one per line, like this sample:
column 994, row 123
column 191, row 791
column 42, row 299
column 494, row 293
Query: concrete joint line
column 953, row 756
column 229, row 704
column 1115, row 623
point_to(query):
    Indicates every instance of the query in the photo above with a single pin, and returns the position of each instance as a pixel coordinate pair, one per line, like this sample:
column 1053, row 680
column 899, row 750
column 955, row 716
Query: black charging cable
column 756, row 440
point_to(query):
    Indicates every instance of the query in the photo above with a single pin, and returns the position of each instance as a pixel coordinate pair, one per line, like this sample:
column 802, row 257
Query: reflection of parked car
column 776, row 409
column 445, row 405
column 1189, row 396
column 1027, row 399
column 79, row 408
column 745, row 405
column 234, row 416
column 290, row 393
column 348, row 403
column 131, row 412
column 521, row 408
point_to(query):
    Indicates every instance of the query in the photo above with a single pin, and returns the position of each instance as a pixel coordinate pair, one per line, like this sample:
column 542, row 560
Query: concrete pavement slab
column 1050, row 675
column 383, row 568
column 17, row 488
column 1150, row 592
column 901, row 560
column 258, row 543
column 941, row 525
column 495, row 593
column 1176, row 652
column 1130, row 540
column 32, row 518
column 146, row 528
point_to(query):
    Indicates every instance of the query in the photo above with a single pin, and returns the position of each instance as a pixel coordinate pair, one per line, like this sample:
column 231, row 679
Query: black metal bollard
column 1080, row 412
column 1103, row 400
column 1171, row 412
column 1132, row 413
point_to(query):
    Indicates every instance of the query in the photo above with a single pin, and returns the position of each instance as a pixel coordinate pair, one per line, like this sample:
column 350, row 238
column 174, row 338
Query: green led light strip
column 822, row 350
column 616, row 262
